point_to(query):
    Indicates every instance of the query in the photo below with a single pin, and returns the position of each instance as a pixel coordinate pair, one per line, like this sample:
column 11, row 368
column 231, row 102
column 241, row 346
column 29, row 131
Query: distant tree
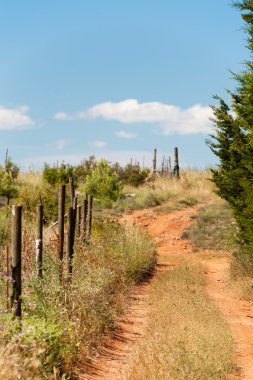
column 134, row 175
column 103, row 183
column 85, row 168
column 11, row 167
column 57, row 175
column 8, row 186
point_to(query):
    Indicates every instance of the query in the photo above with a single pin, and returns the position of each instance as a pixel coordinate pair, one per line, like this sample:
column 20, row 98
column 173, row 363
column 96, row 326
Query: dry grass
column 13, row 366
column 214, row 227
column 31, row 178
column 191, row 188
column 186, row 337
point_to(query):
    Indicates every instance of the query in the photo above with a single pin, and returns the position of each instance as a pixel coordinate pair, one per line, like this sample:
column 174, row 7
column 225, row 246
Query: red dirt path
column 115, row 358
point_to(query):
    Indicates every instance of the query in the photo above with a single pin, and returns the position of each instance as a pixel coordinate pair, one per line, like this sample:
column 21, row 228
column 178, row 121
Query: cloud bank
column 15, row 118
column 170, row 118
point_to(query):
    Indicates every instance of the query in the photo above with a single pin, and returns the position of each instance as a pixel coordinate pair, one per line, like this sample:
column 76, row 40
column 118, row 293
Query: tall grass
column 63, row 321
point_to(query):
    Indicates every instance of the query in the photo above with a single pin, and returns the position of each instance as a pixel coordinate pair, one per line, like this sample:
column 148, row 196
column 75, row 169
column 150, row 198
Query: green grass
column 186, row 337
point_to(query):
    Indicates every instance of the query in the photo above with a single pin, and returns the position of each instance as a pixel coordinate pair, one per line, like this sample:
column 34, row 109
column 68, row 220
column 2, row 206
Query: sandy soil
column 167, row 228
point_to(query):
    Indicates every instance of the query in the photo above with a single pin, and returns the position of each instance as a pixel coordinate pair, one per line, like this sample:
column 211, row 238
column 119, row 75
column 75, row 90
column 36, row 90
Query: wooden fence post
column 7, row 273
column 61, row 212
column 78, row 220
column 176, row 163
column 71, row 240
column 39, row 240
column 90, row 216
column 85, row 216
column 74, row 214
column 154, row 160
column 16, row 260
column 72, row 191
column 163, row 165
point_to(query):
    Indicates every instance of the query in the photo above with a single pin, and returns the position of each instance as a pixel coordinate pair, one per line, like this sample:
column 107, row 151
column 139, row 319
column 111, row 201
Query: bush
column 133, row 175
column 104, row 184
column 8, row 185
column 31, row 195
column 57, row 175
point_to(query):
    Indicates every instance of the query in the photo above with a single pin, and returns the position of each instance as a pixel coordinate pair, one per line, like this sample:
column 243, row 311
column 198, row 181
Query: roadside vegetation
column 63, row 321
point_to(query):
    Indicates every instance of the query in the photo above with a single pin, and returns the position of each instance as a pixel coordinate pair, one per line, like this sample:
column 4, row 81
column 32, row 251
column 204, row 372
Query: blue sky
column 114, row 78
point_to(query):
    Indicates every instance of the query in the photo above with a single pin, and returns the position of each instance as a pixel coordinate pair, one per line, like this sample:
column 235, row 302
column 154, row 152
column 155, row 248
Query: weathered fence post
column 71, row 240
column 85, row 216
column 176, row 163
column 154, row 160
column 163, row 165
column 39, row 240
column 72, row 191
column 61, row 211
column 78, row 220
column 90, row 216
column 16, row 260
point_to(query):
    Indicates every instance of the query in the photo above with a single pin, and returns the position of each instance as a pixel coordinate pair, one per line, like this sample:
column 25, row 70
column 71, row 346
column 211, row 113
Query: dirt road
column 167, row 228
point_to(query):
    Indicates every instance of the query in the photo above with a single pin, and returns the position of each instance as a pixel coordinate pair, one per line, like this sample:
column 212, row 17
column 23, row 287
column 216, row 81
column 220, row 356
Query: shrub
column 8, row 185
column 133, row 175
column 104, row 184
column 57, row 175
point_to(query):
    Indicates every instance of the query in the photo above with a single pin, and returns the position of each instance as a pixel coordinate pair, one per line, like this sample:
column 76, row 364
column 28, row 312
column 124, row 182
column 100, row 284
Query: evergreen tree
column 233, row 141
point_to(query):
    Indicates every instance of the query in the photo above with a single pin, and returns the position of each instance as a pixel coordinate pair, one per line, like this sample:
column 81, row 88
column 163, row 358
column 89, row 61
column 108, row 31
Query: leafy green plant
column 104, row 184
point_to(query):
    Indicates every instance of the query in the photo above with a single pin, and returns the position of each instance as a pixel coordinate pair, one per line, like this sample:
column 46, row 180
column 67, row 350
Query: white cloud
column 61, row 116
column 170, row 118
column 125, row 135
column 99, row 144
column 60, row 144
column 15, row 118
